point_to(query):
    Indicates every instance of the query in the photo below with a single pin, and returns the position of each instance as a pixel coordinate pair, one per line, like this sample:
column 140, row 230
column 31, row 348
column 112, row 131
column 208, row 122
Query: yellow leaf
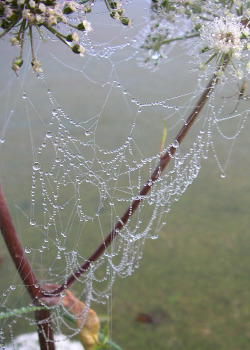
column 86, row 319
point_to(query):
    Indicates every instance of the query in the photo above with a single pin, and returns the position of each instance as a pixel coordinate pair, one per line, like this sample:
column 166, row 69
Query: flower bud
column 16, row 64
column 113, row 4
column 69, row 37
column 78, row 49
column 1, row 9
column 126, row 21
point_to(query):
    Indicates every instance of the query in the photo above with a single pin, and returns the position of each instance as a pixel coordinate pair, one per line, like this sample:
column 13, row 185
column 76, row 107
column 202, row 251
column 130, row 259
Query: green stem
column 40, row 33
column 56, row 33
column 20, row 311
column 31, row 42
column 157, row 47
column 210, row 59
column 21, row 30
column 107, row 4
column 230, row 58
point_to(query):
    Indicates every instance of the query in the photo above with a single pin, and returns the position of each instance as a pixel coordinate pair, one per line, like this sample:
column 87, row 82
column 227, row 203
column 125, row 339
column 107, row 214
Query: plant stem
column 184, row 37
column 20, row 311
column 44, row 329
column 16, row 250
column 56, row 33
column 164, row 161
column 26, row 273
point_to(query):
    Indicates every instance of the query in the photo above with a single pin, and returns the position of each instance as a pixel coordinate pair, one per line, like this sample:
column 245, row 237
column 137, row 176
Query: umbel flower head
column 226, row 36
column 215, row 30
column 18, row 17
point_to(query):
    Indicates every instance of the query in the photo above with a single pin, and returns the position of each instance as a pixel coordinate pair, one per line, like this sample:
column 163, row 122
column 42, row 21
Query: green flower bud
column 67, row 10
column 18, row 62
column 1, row 9
column 81, row 26
column 113, row 14
column 78, row 49
column 205, row 49
column 50, row 2
column 113, row 4
column 5, row 24
column 125, row 21
column 198, row 26
column 69, row 38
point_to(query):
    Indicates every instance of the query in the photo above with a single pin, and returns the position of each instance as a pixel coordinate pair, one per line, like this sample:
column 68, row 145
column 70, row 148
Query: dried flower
column 36, row 65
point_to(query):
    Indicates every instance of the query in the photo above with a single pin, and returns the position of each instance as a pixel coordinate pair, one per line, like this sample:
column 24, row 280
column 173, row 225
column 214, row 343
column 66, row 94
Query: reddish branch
column 26, row 273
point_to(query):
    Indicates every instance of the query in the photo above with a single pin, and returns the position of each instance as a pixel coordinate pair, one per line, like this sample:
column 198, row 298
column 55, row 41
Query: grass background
column 193, row 282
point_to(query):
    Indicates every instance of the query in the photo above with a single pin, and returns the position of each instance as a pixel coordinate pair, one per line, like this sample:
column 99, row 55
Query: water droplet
column 24, row 95
column 2, row 141
column 223, row 176
column 32, row 222
column 27, row 250
column 36, row 166
column 155, row 55
column 49, row 134
column 12, row 287
column 87, row 133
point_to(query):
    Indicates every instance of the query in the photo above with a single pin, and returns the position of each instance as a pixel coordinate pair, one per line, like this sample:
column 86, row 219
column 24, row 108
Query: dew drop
column 32, row 222
column 2, row 140
column 36, row 166
column 223, row 176
column 24, row 95
column 27, row 250
column 49, row 134
column 12, row 287
column 155, row 55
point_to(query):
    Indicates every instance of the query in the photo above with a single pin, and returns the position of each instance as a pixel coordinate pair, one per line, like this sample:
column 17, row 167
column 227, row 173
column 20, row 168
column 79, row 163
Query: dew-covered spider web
column 80, row 141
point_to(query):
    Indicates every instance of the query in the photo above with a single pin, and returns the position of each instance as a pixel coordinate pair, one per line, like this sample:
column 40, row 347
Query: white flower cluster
column 26, row 14
column 225, row 35
column 221, row 29
column 229, row 36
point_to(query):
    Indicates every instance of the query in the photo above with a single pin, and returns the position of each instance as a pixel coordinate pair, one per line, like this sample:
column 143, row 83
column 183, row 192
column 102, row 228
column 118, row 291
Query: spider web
column 78, row 144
